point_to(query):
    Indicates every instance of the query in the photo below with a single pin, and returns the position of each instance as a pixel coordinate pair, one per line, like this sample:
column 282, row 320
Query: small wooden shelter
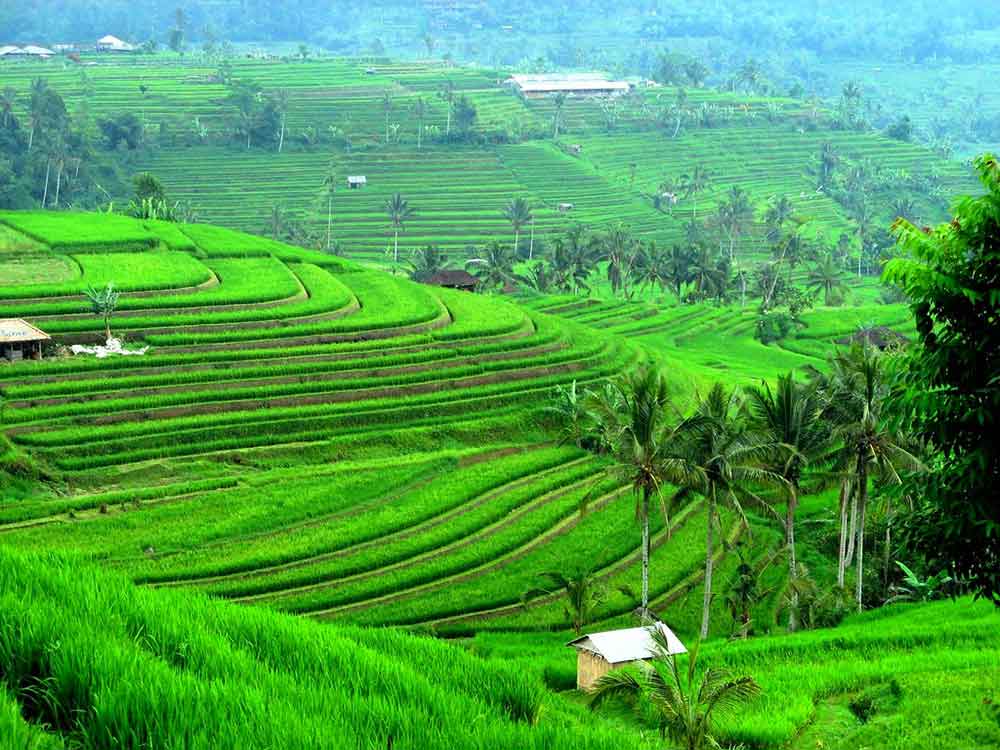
column 565, row 207
column 356, row 182
column 111, row 43
column 576, row 149
column 599, row 653
column 20, row 340
column 880, row 337
column 462, row 280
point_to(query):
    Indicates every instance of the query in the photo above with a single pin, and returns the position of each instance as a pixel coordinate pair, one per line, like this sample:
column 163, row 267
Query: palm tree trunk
column 531, row 242
column 31, row 137
column 862, row 507
column 842, row 551
column 645, row 554
column 58, row 183
column 853, row 534
column 45, row 192
column 107, row 327
column 887, row 552
column 793, row 615
column 517, row 240
column 395, row 251
column 329, row 222
column 281, row 138
column 706, row 605
column 447, row 127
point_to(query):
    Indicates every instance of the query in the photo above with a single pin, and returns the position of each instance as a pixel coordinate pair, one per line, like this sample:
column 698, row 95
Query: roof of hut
column 629, row 644
column 15, row 330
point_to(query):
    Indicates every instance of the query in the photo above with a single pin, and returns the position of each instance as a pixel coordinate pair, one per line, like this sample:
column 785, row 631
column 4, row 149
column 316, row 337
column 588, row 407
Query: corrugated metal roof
column 9, row 49
column 630, row 644
column 15, row 330
column 567, row 82
column 33, row 49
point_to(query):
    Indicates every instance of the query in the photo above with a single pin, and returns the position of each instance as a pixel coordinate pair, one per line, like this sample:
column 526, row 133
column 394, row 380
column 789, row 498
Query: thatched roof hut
column 454, row 280
column 20, row 340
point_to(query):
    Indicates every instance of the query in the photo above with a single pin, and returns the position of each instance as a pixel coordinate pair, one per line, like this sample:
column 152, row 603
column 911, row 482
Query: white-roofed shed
column 35, row 51
column 599, row 653
column 10, row 49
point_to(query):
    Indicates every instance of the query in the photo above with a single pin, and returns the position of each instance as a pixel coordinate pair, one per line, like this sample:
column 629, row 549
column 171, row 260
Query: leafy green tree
column 399, row 211
column 746, row 590
column 682, row 702
column 582, row 590
column 518, row 213
column 735, row 215
column 426, row 262
column 465, row 114
column 825, row 277
column 103, row 304
column 619, row 251
column 8, row 98
column 950, row 394
column 694, row 184
column 790, row 418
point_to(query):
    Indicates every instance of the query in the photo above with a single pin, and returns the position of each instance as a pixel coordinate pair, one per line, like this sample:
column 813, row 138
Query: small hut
column 356, row 182
column 565, row 207
column 576, row 149
column 111, row 43
column 599, row 653
column 20, row 340
column 880, row 337
column 462, row 280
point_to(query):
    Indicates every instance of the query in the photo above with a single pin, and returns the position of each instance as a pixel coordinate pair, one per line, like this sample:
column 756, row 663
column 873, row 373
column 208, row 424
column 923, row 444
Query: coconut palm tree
column 677, row 269
column 790, row 417
column 735, row 216
column 426, row 262
column 518, row 213
column 558, row 103
column 583, row 254
column 825, row 277
column 494, row 266
column 571, row 412
column 724, row 464
column 683, row 702
column 695, row 184
column 447, row 93
column 329, row 186
column 103, row 304
column 387, row 111
column 776, row 216
column 584, row 593
column 633, row 419
column 420, row 112
column 400, row 212
column 282, row 98
column 856, row 392
column 619, row 252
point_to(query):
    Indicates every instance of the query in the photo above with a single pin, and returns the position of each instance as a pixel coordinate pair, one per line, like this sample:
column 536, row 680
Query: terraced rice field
column 312, row 436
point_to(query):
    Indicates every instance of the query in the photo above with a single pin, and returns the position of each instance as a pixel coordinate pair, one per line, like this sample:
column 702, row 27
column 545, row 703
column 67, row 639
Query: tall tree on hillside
column 735, row 215
column 558, row 103
column 447, row 93
column 950, row 390
column 619, row 251
column 778, row 213
column 825, row 277
column 790, row 417
column 278, row 220
column 420, row 112
column 694, row 184
column 399, row 211
column 634, row 425
column 103, row 304
column 677, row 269
column 724, row 466
column 36, row 108
column 857, row 392
column 828, row 161
column 387, row 111
column 282, row 98
column 327, row 193
column 518, row 213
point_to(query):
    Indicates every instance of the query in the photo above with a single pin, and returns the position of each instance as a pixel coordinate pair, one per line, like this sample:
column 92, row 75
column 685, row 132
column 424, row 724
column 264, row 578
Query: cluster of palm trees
column 743, row 448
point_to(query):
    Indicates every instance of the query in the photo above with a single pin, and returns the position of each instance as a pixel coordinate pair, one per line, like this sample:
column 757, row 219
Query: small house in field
column 356, row 182
column 534, row 86
column 565, row 207
column 576, row 149
column 20, row 340
column 33, row 50
column 462, row 280
column 878, row 336
column 113, row 44
column 599, row 653
column 9, row 50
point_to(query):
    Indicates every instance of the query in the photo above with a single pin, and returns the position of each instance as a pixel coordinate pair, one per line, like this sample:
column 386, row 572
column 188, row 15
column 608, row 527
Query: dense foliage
column 951, row 395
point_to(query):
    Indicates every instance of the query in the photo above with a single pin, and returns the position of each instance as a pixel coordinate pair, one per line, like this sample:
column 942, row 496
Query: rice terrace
column 484, row 375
